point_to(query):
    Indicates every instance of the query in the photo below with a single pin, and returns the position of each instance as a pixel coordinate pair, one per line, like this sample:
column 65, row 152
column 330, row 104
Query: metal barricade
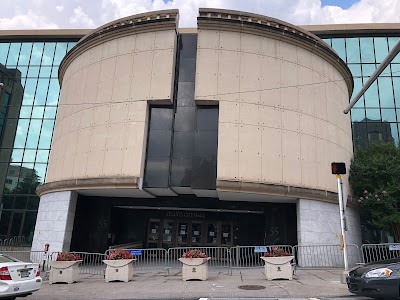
column 92, row 263
column 153, row 259
column 250, row 256
column 12, row 243
column 219, row 257
column 377, row 252
column 323, row 256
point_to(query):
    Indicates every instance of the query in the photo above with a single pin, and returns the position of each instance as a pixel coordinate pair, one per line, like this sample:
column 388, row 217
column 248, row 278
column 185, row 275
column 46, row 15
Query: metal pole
column 342, row 225
column 388, row 59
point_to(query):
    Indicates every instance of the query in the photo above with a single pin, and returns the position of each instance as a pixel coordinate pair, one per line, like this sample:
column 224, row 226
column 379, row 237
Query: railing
column 250, row 256
column 153, row 259
column 222, row 258
column 12, row 242
column 92, row 263
column 323, row 256
column 377, row 252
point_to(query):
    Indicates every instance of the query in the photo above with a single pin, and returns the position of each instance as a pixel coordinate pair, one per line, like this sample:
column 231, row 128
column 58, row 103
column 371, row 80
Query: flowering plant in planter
column 276, row 252
column 194, row 254
column 119, row 266
column 65, row 268
column 120, row 254
column 68, row 256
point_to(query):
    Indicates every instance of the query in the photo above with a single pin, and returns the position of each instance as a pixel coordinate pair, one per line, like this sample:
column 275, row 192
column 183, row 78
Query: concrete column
column 55, row 221
column 318, row 223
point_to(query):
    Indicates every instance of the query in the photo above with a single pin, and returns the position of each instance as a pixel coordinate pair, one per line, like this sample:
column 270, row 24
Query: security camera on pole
column 340, row 169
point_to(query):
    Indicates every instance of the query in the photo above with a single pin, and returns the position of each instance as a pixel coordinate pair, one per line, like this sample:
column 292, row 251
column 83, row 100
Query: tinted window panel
column 41, row 91
column 381, row 48
column 13, row 54
column 181, row 172
column 373, row 114
column 37, row 52
column 46, row 134
column 159, row 143
column 357, row 87
column 157, row 172
column 161, row 118
column 61, row 50
column 54, row 91
column 207, row 119
column 353, row 50
column 206, row 143
column 357, row 115
column 3, row 52
column 22, row 131
column 338, row 45
column 33, row 134
column 386, row 91
column 48, row 53
column 183, row 144
column 25, row 54
column 388, row 115
column 371, row 95
column 184, row 119
column 367, row 50
column 392, row 41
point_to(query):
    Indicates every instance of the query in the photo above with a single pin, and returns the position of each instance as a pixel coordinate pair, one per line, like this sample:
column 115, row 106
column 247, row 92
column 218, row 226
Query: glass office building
column 28, row 101
column 30, row 92
column 376, row 116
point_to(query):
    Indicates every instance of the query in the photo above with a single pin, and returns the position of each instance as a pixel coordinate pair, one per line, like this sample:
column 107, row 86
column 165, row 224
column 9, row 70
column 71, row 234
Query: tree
column 375, row 180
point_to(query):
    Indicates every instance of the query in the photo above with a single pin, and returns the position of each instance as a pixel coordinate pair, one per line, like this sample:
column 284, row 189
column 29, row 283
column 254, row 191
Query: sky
column 67, row 14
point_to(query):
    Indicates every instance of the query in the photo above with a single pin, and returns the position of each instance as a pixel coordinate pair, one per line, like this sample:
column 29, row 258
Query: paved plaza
column 323, row 284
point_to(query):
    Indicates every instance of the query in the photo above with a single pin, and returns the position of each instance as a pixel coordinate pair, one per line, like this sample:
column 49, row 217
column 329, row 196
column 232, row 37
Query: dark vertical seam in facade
column 174, row 104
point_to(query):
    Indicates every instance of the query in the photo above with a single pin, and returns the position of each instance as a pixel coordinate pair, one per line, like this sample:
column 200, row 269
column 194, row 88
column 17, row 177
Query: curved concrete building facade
column 227, row 128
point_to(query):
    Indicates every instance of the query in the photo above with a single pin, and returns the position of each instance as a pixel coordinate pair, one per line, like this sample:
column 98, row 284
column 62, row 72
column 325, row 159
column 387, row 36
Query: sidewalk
column 307, row 283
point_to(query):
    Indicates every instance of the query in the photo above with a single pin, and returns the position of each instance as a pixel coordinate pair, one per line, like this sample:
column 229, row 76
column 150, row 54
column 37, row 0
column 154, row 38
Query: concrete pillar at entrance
column 55, row 221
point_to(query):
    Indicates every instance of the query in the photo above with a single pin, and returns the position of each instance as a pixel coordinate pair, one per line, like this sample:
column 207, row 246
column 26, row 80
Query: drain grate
column 251, row 287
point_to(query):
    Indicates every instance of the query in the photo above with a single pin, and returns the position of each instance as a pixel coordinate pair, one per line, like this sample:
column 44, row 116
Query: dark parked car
column 377, row 280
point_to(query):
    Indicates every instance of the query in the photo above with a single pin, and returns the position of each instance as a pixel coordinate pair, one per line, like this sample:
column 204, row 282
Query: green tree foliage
column 375, row 180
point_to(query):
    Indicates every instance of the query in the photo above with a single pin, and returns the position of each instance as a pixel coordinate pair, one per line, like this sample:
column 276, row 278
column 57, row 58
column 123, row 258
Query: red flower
column 67, row 256
column 194, row 254
column 119, row 254
column 276, row 252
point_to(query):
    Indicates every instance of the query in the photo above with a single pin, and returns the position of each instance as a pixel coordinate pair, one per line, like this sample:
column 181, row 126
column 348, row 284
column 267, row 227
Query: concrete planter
column 119, row 270
column 64, row 271
column 194, row 268
column 278, row 267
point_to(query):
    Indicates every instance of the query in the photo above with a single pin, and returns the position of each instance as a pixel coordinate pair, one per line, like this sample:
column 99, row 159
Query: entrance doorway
column 167, row 233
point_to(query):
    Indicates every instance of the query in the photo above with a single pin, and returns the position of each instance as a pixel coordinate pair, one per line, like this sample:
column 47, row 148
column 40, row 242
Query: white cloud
column 91, row 14
column 29, row 20
column 60, row 8
column 81, row 18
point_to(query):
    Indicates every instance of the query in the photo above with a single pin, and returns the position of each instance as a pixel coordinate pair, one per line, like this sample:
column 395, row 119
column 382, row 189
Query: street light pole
column 342, row 226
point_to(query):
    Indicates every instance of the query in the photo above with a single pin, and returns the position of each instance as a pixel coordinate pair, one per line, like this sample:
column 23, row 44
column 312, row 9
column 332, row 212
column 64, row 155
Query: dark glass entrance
column 183, row 221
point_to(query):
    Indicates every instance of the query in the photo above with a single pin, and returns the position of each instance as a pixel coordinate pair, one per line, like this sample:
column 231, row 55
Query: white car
column 18, row 278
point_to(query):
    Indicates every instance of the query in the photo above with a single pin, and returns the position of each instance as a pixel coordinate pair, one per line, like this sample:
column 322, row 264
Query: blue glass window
column 48, row 54
column 392, row 41
column 13, row 54
column 373, row 114
column 25, row 54
column 367, row 50
column 388, row 115
column 371, row 95
column 386, row 91
column 61, row 50
column 4, row 52
column 353, row 50
column 340, row 48
column 37, row 52
column 381, row 48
